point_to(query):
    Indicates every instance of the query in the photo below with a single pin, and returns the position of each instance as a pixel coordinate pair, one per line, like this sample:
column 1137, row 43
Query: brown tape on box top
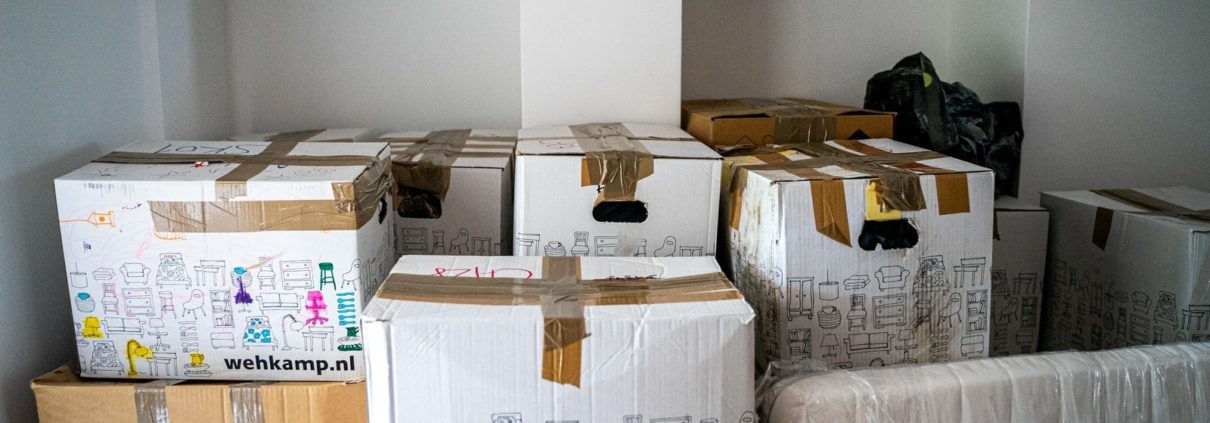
column 425, row 164
column 895, row 175
column 1153, row 206
column 562, row 294
column 794, row 122
column 617, row 164
column 352, row 206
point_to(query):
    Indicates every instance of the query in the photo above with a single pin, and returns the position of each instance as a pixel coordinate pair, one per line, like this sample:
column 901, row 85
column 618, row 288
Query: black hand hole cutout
column 418, row 203
column 891, row 235
column 620, row 212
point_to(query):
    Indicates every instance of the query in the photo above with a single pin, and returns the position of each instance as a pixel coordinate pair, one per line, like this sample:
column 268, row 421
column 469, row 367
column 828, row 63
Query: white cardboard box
column 559, row 187
column 154, row 244
column 327, row 135
column 474, row 216
column 1125, row 269
column 674, row 345
column 1018, row 270
column 795, row 228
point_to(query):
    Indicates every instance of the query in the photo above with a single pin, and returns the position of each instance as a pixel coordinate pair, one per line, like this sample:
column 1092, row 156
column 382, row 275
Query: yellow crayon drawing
column 92, row 328
column 136, row 350
column 96, row 219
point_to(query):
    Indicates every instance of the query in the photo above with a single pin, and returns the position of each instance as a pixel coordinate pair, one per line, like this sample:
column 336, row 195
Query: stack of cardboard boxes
column 262, row 260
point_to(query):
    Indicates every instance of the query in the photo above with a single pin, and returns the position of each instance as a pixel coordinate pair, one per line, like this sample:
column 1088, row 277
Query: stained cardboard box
column 455, row 191
column 1018, row 271
column 258, row 255
column 325, row 135
column 588, row 339
column 615, row 189
column 754, row 122
column 798, row 224
column 63, row 397
column 1127, row 267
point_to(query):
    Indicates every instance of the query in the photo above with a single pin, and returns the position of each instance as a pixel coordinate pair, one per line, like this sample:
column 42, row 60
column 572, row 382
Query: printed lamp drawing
column 136, row 350
column 96, row 219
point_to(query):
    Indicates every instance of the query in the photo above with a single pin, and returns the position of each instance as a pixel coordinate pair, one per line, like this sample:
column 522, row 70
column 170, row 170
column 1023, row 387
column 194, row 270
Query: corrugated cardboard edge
column 62, row 397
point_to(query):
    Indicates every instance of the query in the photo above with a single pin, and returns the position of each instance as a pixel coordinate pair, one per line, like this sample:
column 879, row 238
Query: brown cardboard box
column 764, row 121
column 63, row 397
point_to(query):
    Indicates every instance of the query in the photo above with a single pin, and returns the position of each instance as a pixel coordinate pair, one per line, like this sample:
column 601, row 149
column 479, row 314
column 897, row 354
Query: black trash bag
column 949, row 118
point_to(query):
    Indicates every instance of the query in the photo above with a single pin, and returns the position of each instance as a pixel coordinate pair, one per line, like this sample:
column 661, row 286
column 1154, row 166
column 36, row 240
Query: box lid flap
column 886, row 152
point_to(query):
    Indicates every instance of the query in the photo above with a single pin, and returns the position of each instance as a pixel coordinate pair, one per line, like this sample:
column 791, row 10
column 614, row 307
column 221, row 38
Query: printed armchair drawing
column 892, row 277
column 135, row 273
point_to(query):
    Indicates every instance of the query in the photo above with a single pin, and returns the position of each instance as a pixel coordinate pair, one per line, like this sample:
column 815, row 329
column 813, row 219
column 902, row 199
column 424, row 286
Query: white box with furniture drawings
column 454, row 191
column 225, row 260
column 861, row 253
column 1018, row 270
column 1127, row 267
column 614, row 189
column 567, row 339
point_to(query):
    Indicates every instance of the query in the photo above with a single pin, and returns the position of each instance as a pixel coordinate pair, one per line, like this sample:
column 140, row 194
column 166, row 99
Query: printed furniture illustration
column 123, row 326
column 171, row 271
column 272, row 301
column 296, row 274
column 890, row 310
column 892, row 277
column 222, row 340
column 138, row 302
column 259, row 333
column 135, row 273
column 105, row 358
column 802, row 297
column 972, row 345
column 867, row 342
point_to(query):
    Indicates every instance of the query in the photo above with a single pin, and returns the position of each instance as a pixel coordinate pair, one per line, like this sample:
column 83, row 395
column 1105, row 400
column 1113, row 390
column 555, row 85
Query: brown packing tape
column 353, row 205
column 1101, row 226
column 831, row 210
column 594, row 130
column 799, row 124
column 738, row 183
column 426, row 163
column 562, row 297
column 862, row 148
column 235, row 183
column 953, row 194
column 1153, row 206
column 616, row 164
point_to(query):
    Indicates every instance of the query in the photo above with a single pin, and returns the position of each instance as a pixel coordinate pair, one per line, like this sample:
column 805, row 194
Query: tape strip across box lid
column 353, row 205
column 794, row 122
column 426, row 163
column 896, row 181
column 1103, row 223
column 562, row 296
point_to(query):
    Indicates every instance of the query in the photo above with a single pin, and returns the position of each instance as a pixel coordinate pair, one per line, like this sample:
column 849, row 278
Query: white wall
column 193, row 58
column 1117, row 94
column 600, row 61
column 827, row 49
column 79, row 78
column 987, row 47
column 822, row 49
column 386, row 64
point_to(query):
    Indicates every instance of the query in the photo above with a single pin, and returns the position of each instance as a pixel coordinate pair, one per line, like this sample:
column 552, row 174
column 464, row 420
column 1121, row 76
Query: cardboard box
column 798, row 237
column 327, row 135
column 764, row 121
column 562, row 339
column 1127, row 267
column 257, row 255
column 1145, row 384
column 1018, row 270
column 615, row 190
column 63, row 397
column 455, row 191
